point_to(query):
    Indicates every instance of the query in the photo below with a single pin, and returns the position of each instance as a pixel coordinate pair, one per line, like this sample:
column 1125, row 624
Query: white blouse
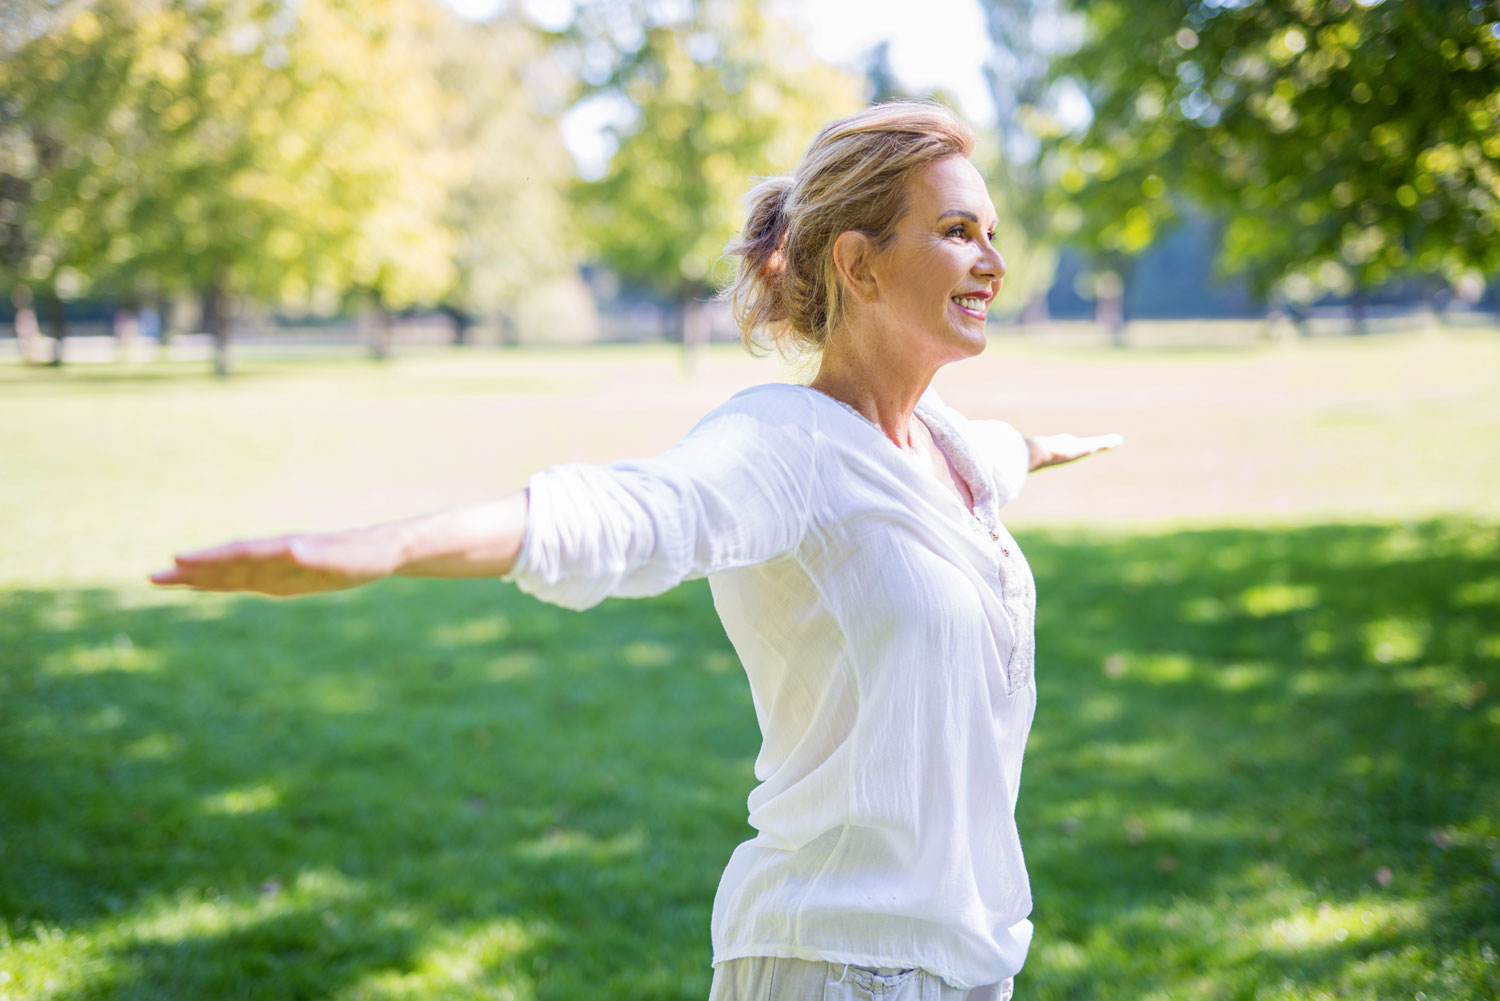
column 887, row 635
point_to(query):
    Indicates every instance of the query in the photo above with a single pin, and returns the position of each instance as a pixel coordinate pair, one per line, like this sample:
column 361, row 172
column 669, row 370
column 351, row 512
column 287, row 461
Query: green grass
column 1263, row 767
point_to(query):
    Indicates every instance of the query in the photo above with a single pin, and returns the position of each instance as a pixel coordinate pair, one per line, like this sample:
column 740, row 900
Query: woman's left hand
column 1055, row 449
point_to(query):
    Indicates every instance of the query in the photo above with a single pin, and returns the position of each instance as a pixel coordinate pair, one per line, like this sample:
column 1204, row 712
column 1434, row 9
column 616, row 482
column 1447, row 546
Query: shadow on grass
column 1263, row 762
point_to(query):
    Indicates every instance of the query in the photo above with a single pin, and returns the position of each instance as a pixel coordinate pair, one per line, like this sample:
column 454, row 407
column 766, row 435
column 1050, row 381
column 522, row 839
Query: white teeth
column 975, row 303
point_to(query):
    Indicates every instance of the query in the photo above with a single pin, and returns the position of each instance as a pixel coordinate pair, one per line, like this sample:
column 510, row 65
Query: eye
column 990, row 236
column 959, row 232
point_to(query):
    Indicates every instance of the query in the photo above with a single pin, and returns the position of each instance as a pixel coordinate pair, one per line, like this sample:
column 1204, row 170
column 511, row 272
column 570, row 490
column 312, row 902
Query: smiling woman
column 940, row 270
column 851, row 534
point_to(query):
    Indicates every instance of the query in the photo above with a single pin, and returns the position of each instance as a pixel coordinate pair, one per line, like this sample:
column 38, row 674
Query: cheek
column 935, row 274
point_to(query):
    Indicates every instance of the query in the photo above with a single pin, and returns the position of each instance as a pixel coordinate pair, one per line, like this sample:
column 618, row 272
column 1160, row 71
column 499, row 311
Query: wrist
column 1036, row 456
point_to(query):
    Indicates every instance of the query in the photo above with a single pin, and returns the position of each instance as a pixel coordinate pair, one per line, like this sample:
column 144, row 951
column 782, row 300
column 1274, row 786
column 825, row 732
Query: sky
column 934, row 44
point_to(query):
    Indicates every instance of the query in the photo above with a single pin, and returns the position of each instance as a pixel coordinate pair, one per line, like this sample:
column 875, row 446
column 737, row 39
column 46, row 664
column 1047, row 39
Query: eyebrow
column 961, row 213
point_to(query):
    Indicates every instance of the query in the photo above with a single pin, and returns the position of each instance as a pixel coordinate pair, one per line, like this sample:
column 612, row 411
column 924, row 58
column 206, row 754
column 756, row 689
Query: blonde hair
column 785, row 291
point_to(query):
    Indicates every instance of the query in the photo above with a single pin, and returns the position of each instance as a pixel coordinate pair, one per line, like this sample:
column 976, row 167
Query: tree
column 224, row 147
column 1343, row 143
column 509, row 172
column 720, row 98
column 1025, row 35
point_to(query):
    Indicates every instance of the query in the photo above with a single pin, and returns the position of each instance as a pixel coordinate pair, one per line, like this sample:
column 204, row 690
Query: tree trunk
column 694, row 332
column 510, row 333
column 174, row 320
column 379, row 331
column 1437, row 296
column 28, row 331
column 58, row 328
column 216, row 308
column 1035, row 312
column 671, row 322
column 1276, row 319
column 127, row 327
column 1359, row 304
column 1301, row 321
column 462, row 323
column 1109, row 306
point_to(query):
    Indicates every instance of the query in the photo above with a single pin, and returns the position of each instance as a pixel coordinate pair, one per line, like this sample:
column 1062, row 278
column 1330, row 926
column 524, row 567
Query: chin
column 971, row 343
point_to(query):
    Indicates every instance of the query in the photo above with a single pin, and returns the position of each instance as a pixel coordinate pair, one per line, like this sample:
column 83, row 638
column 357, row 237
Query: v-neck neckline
column 950, row 443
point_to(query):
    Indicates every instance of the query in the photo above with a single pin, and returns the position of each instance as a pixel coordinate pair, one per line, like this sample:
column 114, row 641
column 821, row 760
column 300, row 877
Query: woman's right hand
column 479, row 541
column 288, row 565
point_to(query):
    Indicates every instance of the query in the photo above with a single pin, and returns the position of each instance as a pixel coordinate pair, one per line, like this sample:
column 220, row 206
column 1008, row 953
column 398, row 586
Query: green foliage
column 1345, row 143
column 723, row 98
column 1018, row 82
column 183, row 144
column 509, row 171
column 288, row 153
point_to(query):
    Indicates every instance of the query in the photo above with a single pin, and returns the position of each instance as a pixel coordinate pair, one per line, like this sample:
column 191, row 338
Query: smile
column 974, row 305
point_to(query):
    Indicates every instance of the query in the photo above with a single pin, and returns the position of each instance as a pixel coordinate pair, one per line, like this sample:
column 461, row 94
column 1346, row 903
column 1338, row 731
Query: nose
column 990, row 264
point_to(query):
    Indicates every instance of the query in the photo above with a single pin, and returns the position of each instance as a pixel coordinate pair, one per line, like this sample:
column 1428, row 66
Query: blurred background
column 182, row 176
column 299, row 264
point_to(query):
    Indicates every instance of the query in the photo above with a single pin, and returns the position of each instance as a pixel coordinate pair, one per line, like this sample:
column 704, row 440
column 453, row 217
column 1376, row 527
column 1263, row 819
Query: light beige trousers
column 771, row 979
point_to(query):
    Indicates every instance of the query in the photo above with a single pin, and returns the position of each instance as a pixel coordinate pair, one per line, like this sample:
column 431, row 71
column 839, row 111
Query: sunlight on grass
column 1162, row 668
column 1244, row 677
column 238, row 802
column 1099, row 708
column 152, row 747
column 1445, row 685
column 644, row 653
column 719, row 662
column 1310, row 682
column 1064, row 957
column 1277, row 599
column 207, row 912
column 1140, row 756
column 1394, row 640
column 1204, row 609
column 1317, row 642
column 447, row 791
column 511, row 666
column 343, row 694
column 474, row 964
column 1329, row 923
column 1479, row 592
column 104, row 720
column 558, row 842
column 49, row 963
column 476, row 632
column 118, row 653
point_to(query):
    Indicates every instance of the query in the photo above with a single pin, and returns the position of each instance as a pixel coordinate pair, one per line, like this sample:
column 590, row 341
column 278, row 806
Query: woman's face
column 934, row 281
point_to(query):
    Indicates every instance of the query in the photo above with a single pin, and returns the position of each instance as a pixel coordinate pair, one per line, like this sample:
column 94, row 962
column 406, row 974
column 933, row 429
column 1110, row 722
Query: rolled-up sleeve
column 734, row 492
column 1008, row 454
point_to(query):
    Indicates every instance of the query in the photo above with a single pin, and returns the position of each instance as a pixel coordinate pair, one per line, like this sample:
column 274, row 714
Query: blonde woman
column 850, row 532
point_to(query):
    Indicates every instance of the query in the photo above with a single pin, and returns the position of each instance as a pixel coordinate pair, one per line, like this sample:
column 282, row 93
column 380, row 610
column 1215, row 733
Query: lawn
column 1268, row 667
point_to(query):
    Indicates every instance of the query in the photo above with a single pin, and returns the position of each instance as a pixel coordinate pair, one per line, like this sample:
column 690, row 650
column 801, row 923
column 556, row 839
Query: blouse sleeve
column 734, row 492
column 1008, row 454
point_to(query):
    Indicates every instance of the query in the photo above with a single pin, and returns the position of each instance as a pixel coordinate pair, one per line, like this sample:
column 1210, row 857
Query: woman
column 850, row 533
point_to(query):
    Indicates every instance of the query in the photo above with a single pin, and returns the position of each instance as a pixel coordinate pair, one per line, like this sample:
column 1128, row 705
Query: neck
column 877, row 383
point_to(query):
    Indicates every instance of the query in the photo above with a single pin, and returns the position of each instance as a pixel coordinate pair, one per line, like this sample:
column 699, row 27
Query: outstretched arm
column 1055, row 449
column 478, row 541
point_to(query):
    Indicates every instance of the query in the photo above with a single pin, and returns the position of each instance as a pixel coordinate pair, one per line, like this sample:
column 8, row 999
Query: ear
column 854, row 256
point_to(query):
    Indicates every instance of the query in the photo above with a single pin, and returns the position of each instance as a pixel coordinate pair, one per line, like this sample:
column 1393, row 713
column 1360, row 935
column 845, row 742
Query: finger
column 255, row 549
